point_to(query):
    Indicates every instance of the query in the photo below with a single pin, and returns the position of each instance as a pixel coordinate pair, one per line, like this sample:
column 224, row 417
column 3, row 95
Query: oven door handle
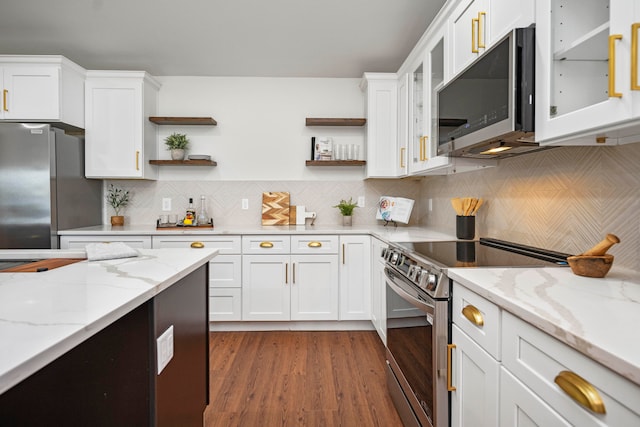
column 419, row 303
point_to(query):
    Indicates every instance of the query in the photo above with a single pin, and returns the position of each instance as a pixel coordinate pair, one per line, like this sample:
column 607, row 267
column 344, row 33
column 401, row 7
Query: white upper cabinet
column 42, row 89
column 381, row 109
column 119, row 139
column 587, row 86
column 423, row 74
column 476, row 24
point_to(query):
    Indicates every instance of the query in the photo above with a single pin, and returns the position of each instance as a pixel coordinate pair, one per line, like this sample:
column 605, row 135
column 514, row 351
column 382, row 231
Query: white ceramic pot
column 177, row 154
column 347, row 220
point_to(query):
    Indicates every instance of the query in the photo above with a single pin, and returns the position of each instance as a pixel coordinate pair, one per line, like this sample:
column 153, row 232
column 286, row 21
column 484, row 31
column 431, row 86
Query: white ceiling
column 279, row 38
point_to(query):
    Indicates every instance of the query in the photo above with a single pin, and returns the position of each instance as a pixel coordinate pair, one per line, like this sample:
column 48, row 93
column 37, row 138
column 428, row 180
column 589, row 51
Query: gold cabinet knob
column 197, row 245
column 266, row 245
column 315, row 244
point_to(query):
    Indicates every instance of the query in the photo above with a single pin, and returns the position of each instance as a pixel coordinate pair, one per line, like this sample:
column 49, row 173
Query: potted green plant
column 346, row 210
column 118, row 199
column 177, row 143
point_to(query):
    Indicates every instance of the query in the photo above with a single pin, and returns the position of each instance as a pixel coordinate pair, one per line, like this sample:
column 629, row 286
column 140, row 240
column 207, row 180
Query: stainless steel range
column 418, row 316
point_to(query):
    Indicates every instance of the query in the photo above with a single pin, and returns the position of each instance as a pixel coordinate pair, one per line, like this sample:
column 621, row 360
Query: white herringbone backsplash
column 224, row 198
column 566, row 199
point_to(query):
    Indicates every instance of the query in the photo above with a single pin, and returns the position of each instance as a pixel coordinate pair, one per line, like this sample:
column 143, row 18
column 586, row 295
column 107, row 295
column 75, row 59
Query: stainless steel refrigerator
column 42, row 186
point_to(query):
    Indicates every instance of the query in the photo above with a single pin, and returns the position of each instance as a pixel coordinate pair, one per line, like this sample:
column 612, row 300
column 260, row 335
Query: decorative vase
column 177, row 154
column 347, row 220
column 117, row 220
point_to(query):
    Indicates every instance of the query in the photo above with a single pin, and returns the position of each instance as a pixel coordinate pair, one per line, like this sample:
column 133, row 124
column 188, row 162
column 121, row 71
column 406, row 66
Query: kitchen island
column 79, row 342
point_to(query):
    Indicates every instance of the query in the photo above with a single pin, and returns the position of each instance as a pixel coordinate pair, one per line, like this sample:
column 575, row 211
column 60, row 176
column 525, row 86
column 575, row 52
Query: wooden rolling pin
column 602, row 247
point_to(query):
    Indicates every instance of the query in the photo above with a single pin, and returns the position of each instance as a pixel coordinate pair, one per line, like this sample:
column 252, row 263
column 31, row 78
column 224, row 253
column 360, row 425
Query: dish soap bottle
column 190, row 215
column 203, row 218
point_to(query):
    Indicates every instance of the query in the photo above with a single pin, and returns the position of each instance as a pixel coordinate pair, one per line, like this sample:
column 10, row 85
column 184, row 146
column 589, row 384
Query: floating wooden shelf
column 334, row 122
column 199, row 121
column 183, row 162
column 336, row 162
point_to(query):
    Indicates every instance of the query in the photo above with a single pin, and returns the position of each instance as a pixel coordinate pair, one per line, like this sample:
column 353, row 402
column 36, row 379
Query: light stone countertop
column 597, row 317
column 44, row 315
column 388, row 233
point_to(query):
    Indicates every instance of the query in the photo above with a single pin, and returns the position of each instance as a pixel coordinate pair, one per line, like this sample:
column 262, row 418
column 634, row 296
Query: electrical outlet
column 245, row 204
column 166, row 204
column 164, row 348
column 361, row 202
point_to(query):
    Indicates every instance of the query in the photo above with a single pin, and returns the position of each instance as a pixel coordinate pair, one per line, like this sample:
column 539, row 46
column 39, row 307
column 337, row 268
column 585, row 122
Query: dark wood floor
column 287, row 378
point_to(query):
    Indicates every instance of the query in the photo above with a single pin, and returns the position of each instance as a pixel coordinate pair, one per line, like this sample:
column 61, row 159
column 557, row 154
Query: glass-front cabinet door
column 584, row 66
column 417, row 118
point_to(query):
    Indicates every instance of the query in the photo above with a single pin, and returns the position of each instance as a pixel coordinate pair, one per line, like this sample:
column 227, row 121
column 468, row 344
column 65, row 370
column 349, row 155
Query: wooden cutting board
column 45, row 265
column 275, row 208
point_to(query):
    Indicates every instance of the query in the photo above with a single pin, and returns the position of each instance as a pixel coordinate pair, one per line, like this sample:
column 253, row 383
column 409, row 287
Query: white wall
column 261, row 133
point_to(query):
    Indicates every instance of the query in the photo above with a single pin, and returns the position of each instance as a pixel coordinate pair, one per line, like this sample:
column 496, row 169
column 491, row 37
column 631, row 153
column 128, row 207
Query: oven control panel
column 424, row 276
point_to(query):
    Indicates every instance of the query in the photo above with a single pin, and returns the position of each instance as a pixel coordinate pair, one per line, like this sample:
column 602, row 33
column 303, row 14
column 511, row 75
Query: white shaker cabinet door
column 314, row 287
column 265, row 287
column 475, row 376
column 355, row 277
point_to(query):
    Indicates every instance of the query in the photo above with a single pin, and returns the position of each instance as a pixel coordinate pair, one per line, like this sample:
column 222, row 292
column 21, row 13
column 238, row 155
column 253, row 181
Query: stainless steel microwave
column 488, row 110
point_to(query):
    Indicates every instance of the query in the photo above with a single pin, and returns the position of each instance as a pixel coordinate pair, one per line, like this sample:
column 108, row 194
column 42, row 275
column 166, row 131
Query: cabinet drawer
column 80, row 242
column 314, row 244
column 225, row 244
column 225, row 271
column 225, row 304
column 266, row 244
column 536, row 359
column 483, row 321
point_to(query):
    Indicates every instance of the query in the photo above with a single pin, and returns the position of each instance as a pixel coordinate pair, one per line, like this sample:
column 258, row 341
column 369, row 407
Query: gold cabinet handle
column 473, row 315
column 5, row 92
column 197, row 245
column 634, row 56
column 450, row 386
column 612, row 66
column 581, row 391
column 481, row 16
column 343, row 255
column 137, row 160
column 294, row 273
column 315, row 244
column 423, row 148
column 266, row 245
column 474, row 25
column 402, row 150
column 286, row 273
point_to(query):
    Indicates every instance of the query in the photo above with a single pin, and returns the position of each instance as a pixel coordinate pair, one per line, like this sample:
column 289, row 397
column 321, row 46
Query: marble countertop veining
column 43, row 315
column 598, row 317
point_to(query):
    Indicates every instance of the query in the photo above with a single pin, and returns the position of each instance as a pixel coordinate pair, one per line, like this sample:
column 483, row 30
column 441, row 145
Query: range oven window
column 409, row 338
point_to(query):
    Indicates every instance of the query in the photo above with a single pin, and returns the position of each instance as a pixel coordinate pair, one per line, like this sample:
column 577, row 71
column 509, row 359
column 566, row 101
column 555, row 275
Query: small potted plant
column 346, row 210
column 177, row 143
column 118, row 199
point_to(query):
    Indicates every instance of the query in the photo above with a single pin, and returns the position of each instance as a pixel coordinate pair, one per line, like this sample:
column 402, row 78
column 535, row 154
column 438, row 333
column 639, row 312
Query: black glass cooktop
column 486, row 252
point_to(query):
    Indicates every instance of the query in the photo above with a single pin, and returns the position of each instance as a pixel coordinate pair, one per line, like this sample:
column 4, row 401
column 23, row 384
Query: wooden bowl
column 590, row 265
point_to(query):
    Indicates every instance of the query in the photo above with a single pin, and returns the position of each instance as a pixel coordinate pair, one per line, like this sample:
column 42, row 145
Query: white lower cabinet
column 355, row 277
column 520, row 407
column 475, row 376
column 475, row 369
column 80, row 242
column 542, row 363
column 225, row 271
column 282, row 286
column 378, row 289
column 507, row 372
